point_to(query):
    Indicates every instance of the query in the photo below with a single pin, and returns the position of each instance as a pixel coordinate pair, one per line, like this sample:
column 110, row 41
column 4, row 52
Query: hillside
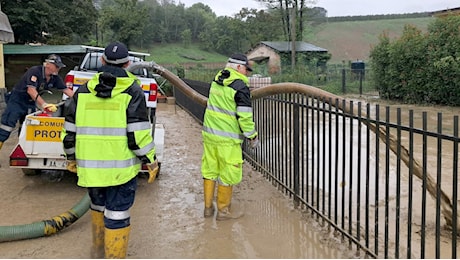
column 348, row 40
column 177, row 53
column 353, row 40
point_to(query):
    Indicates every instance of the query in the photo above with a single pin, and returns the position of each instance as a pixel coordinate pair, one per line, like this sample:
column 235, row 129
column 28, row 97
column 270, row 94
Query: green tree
column 196, row 16
column 292, row 13
column 380, row 61
column 408, row 67
column 186, row 36
column 443, row 52
column 176, row 23
column 259, row 26
column 420, row 67
column 46, row 21
column 124, row 20
column 224, row 35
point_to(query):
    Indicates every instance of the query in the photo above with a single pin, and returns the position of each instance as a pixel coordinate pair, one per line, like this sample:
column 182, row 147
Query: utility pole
column 293, row 37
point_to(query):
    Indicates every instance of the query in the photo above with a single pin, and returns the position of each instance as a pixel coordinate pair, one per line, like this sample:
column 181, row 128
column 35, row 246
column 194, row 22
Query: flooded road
column 358, row 178
column 167, row 217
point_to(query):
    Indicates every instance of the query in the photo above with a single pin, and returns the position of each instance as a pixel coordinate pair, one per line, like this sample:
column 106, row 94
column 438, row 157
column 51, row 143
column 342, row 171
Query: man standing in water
column 227, row 121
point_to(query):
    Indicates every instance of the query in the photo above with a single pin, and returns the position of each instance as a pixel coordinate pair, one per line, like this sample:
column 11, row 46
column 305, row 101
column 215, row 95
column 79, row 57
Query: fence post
column 296, row 151
column 343, row 81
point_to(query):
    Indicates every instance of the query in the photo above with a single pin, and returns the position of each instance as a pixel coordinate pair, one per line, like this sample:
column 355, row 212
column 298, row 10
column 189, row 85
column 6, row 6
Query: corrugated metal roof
column 284, row 46
column 41, row 49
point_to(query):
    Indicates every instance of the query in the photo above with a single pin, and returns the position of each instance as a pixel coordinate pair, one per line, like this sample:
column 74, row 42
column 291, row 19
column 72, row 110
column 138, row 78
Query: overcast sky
column 338, row 7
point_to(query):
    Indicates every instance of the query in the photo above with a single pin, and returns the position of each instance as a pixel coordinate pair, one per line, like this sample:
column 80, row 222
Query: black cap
column 56, row 60
column 239, row 58
column 116, row 53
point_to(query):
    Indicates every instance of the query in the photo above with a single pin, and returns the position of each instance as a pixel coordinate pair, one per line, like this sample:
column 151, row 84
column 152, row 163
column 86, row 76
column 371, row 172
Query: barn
column 271, row 56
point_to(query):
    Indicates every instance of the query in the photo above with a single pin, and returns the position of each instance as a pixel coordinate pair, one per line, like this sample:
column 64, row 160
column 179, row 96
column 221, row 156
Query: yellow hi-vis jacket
column 107, row 130
column 228, row 117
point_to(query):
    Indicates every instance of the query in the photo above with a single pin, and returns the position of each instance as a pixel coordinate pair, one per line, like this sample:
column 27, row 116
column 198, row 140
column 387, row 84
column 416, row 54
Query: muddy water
column 345, row 187
column 167, row 219
column 271, row 227
column 169, row 214
column 393, row 177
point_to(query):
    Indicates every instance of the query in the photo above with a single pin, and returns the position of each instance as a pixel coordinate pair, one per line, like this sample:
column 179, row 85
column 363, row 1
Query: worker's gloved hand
column 254, row 142
column 72, row 166
column 153, row 170
column 49, row 107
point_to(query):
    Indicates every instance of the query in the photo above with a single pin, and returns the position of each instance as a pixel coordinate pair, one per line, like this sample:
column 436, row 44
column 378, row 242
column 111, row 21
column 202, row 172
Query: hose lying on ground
column 50, row 226
column 46, row 227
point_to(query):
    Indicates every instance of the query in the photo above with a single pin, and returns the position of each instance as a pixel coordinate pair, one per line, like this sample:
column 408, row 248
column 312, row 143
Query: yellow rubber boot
column 224, row 199
column 97, row 228
column 116, row 242
column 209, row 187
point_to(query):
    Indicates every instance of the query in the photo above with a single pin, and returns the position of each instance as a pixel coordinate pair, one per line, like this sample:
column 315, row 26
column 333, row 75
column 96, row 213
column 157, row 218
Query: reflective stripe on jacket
column 228, row 117
column 107, row 135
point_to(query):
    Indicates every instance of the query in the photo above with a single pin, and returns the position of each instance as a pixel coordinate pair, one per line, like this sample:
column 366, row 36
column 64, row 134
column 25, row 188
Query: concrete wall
column 274, row 60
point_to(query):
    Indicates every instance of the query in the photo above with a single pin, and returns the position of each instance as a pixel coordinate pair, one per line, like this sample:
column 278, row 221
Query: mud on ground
column 166, row 218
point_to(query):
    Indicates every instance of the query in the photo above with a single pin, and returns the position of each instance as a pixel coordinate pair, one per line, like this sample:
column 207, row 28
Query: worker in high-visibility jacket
column 106, row 136
column 228, row 120
column 25, row 96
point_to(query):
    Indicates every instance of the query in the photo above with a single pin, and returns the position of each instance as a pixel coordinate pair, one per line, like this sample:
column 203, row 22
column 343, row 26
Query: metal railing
column 385, row 180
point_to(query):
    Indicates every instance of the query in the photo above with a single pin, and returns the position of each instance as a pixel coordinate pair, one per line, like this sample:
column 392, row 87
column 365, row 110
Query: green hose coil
column 46, row 227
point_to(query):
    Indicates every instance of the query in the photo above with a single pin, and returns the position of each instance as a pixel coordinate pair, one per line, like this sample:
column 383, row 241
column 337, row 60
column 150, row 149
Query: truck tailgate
column 40, row 146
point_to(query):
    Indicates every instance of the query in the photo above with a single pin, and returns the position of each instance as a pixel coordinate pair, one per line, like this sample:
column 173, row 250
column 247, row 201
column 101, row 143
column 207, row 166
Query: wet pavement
column 167, row 217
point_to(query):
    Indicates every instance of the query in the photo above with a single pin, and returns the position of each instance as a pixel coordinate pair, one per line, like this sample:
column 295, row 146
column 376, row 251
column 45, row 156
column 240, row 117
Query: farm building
column 274, row 55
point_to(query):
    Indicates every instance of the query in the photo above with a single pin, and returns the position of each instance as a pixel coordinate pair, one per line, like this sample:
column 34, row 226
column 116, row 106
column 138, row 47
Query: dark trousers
column 19, row 105
column 116, row 198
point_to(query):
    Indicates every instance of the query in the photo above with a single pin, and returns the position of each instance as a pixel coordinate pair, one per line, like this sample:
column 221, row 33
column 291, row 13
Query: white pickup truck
column 40, row 149
column 92, row 62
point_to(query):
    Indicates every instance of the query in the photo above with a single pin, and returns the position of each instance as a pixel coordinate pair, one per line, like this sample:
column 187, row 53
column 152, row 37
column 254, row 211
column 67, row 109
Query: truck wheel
column 30, row 172
column 52, row 175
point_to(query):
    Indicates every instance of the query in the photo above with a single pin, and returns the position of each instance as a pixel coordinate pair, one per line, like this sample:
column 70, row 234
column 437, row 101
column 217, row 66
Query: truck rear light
column 153, row 92
column 69, row 81
column 18, row 157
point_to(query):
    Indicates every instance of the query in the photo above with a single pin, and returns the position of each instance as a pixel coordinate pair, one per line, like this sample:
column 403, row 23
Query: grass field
column 346, row 41
column 349, row 41
column 177, row 53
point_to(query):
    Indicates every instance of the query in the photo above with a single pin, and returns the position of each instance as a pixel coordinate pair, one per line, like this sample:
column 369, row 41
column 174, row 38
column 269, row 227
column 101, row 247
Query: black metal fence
column 336, row 78
column 385, row 180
